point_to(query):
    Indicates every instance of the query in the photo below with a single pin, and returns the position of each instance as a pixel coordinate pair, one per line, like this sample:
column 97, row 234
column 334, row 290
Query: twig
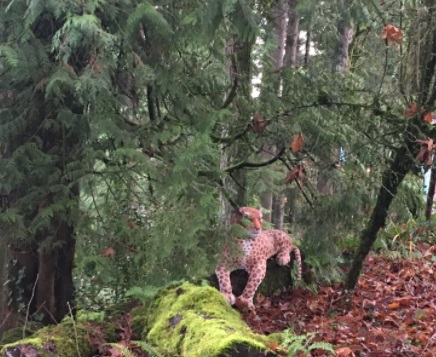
column 28, row 306
column 6, row 319
column 75, row 329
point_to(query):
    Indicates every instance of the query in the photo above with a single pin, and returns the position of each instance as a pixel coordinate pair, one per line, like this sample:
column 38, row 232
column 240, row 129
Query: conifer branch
column 232, row 94
column 226, row 140
column 244, row 164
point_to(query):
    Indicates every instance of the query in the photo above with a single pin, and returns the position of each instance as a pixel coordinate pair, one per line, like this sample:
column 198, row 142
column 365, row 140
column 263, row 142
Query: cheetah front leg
column 256, row 275
column 223, row 275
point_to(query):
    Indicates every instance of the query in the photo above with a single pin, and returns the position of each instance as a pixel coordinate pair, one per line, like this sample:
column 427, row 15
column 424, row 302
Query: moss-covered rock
column 193, row 321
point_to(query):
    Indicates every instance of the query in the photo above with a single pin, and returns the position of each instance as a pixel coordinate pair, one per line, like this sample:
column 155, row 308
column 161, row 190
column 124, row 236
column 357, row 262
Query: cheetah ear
column 243, row 212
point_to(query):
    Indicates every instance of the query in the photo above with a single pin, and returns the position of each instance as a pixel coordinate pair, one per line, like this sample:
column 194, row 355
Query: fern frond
column 123, row 349
column 8, row 55
column 148, row 348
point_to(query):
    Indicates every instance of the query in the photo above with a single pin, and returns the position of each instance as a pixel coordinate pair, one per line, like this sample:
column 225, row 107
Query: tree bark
column 290, row 59
column 430, row 194
column 391, row 181
column 280, row 13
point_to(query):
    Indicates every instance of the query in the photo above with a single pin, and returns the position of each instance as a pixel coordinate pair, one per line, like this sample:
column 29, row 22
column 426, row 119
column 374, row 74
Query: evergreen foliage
column 116, row 116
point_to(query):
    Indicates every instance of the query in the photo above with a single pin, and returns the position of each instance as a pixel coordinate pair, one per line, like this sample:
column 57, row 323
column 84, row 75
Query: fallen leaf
column 344, row 352
column 393, row 305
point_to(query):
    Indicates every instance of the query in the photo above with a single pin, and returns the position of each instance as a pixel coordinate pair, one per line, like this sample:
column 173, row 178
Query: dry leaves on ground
column 394, row 312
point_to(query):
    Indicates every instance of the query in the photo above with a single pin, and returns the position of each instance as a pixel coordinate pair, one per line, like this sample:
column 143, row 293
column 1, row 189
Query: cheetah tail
column 298, row 259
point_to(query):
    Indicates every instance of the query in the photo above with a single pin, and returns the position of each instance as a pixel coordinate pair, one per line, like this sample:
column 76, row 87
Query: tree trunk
column 279, row 201
column 269, row 150
column 391, row 181
column 430, row 194
column 290, row 60
column 341, row 61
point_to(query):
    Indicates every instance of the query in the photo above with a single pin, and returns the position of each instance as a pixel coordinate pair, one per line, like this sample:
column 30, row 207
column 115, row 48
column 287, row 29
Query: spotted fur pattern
column 253, row 255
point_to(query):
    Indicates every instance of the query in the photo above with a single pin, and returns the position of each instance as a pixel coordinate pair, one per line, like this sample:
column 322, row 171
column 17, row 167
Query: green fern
column 148, row 348
column 303, row 343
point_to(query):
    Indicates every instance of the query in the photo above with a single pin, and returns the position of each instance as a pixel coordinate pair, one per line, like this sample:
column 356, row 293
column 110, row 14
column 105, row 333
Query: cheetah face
column 254, row 217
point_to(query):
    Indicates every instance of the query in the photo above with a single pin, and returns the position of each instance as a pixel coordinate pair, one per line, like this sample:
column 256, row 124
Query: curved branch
column 231, row 95
column 254, row 164
column 218, row 139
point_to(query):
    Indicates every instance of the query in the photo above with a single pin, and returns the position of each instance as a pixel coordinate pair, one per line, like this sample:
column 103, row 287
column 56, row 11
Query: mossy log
column 67, row 339
column 194, row 321
column 184, row 320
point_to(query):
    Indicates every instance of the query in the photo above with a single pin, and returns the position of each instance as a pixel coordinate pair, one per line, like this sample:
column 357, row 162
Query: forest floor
column 393, row 313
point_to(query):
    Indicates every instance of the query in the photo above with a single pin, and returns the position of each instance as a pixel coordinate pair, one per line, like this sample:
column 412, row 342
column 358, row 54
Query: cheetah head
column 254, row 215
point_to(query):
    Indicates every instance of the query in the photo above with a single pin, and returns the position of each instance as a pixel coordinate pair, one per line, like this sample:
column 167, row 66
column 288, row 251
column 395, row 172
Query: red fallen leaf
column 108, row 252
column 344, row 352
column 131, row 225
column 393, row 305
column 391, row 34
column 297, row 142
column 259, row 124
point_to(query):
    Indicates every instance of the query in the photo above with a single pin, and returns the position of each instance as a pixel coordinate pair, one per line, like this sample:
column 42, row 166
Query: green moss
column 83, row 315
column 12, row 335
column 62, row 339
column 193, row 321
column 15, row 334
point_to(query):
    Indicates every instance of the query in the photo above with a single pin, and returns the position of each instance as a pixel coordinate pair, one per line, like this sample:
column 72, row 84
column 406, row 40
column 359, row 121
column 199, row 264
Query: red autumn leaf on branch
column 425, row 154
column 297, row 143
column 393, row 34
column 428, row 117
column 411, row 110
column 259, row 124
column 297, row 173
column 108, row 252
